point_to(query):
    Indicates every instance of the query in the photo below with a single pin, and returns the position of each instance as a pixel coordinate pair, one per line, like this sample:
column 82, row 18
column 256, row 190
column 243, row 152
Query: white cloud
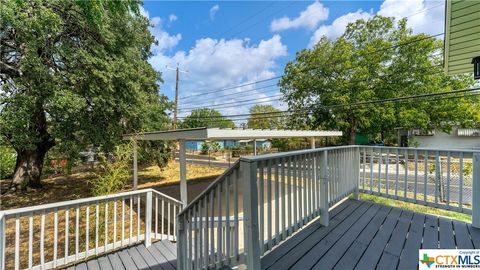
column 172, row 17
column 164, row 39
column 214, row 11
column 143, row 12
column 423, row 16
column 308, row 18
column 214, row 64
column 338, row 26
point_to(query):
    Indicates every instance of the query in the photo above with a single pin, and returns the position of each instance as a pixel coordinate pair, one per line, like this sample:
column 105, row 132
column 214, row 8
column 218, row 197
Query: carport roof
column 228, row 134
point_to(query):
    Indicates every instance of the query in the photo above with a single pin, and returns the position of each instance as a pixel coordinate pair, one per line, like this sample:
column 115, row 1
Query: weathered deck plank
column 370, row 236
column 361, row 235
column 331, row 258
column 462, row 236
column 356, row 250
column 447, row 239
column 430, row 233
column 156, row 256
column 309, row 260
column 299, row 250
column 280, row 251
column 413, row 243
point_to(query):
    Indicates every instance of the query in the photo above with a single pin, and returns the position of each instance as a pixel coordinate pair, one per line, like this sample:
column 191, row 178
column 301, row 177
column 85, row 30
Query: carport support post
column 476, row 191
column 254, row 147
column 135, row 166
column 183, row 173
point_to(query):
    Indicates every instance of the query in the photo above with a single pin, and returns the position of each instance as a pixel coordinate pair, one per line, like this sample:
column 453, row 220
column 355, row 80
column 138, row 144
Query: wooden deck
column 161, row 255
column 361, row 235
column 365, row 235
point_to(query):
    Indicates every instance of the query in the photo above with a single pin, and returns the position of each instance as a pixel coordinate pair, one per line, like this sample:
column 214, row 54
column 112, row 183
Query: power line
column 248, row 18
column 236, row 93
column 306, row 113
column 349, row 82
column 232, row 87
column 266, row 17
column 355, row 104
column 238, row 102
column 233, row 106
column 313, row 68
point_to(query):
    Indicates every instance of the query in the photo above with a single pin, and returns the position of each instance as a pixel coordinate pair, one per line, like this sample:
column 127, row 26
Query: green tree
column 206, row 117
column 265, row 117
column 72, row 72
column 354, row 68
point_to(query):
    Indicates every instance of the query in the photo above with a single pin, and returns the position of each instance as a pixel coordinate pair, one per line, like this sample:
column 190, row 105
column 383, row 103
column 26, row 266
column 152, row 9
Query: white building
column 458, row 138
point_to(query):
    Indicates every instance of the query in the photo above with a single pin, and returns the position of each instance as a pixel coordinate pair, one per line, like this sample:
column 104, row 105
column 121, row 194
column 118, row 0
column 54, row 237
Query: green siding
column 462, row 35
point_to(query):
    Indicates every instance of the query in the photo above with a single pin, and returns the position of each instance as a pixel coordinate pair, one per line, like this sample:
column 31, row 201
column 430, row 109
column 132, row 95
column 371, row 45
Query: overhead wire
column 235, row 104
column 352, row 104
column 274, row 115
column 311, row 68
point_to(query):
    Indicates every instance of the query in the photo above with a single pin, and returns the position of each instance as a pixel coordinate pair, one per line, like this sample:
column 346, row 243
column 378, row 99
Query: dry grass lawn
column 76, row 185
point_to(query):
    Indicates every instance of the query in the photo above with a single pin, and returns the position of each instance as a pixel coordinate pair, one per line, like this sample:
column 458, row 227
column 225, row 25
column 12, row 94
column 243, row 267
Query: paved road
column 454, row 185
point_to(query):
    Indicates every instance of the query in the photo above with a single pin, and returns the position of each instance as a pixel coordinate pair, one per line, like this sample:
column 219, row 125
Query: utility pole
column 177, row 79
column 176, row 99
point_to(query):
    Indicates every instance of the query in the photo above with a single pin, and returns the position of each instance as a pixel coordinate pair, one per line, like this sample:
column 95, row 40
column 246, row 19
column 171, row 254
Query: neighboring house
column 261, row 143
column 458, row 138
column 197, row 145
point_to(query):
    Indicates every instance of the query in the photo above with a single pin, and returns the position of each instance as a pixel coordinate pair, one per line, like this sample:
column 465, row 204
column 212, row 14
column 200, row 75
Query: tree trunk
column 352, row 131
column 28, row 168
column 29, row 165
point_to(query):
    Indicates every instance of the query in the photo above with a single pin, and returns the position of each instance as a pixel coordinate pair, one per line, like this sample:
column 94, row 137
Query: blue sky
column 227, row 43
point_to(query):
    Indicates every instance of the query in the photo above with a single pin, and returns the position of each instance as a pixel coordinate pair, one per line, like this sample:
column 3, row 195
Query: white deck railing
column 51, row 235
column 255, row 205
column 437, row 178
column 278, row 194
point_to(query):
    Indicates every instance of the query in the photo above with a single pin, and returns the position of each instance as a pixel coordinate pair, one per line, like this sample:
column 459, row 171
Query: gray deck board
column 447, row 239
column 462, row 236
column 360, row 235
column 475, row 235
column 309, row 260
column 115, row 261
column 81, row 266
column 126, row 259
column 430, row 233
column 137, row 258
column 93, row 265
column 413, row 243
column 104, row 263
column 149, row 259
column 331, row 258
column 299, row 250
column 158, row 256
column 272, row 257
column 356, row 250
column 371, row 256
column 170, row 246
column 166, row 250
column 369, row 236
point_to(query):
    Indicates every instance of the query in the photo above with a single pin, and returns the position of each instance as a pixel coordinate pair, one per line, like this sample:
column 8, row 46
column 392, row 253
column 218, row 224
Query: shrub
column 155, row 153
column 8, row 158
column 114, row 171
column 204, row 148
column 215, row 146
